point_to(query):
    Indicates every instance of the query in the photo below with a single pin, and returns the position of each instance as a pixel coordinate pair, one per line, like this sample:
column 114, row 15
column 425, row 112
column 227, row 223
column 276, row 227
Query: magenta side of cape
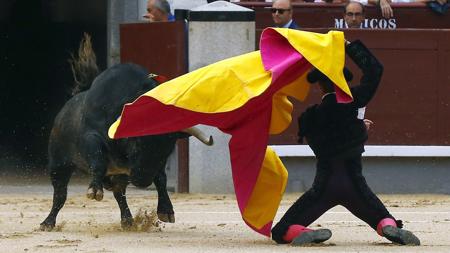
column 276, row 52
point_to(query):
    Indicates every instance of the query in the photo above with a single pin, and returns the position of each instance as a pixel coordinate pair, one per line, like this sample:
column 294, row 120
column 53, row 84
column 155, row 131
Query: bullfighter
column 336, row 135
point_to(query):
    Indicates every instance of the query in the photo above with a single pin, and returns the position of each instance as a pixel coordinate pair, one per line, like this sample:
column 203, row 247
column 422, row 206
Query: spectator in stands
column 385, row 6
column 158, row 11
column 386, row 9
column 282, row 14
column 354, row 14
column 439, row 6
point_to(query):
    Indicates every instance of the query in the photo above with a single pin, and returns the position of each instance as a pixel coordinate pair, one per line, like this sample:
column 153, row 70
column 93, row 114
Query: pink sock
column 294, row 231
column 385, row 222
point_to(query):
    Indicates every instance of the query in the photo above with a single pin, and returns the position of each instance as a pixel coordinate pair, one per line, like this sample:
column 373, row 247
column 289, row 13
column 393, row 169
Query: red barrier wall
column 412, row 105
column 161, row 48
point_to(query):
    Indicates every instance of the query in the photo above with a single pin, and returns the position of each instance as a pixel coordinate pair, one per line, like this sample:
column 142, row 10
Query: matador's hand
column 368, row 123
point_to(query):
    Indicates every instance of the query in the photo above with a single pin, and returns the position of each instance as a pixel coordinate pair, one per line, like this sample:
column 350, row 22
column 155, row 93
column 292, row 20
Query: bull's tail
column 84, row 66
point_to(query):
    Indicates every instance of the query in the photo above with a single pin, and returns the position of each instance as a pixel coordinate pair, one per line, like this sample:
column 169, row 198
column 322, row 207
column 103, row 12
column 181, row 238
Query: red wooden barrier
column 412, row 105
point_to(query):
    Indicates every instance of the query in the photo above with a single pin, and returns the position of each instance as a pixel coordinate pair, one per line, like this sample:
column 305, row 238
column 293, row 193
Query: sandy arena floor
column 204, row 223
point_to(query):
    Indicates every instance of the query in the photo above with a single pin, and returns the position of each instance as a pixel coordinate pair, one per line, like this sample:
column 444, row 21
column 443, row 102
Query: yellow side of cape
column 228, row 84
column 220, row 87
column 326, row 52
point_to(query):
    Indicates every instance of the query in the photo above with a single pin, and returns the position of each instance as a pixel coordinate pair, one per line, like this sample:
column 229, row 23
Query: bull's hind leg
column 95, row 153
column 165, row 207
column 60, row 176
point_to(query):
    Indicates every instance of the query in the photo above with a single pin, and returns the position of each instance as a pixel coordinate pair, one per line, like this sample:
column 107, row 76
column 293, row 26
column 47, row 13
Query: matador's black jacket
column 332, row 128
column 337, row 136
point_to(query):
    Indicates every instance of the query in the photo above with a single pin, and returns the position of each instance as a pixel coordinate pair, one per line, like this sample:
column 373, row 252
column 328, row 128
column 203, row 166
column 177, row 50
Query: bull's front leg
column 165, row 207
column 95, row 153
column 126, row 219
column 118, row 184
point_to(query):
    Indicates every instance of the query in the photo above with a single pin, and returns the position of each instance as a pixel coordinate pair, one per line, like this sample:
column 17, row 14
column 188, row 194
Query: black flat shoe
column 313, row 236
column 400, row 236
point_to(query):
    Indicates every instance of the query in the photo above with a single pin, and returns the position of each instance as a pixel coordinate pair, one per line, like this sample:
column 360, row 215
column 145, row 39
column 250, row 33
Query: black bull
column 79, row 140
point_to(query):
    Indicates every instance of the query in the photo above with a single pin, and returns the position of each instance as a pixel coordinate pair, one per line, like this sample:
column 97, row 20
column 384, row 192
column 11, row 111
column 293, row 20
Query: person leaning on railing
column 386, row 9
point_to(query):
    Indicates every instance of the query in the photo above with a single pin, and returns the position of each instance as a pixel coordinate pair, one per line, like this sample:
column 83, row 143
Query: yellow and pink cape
column 246, row 97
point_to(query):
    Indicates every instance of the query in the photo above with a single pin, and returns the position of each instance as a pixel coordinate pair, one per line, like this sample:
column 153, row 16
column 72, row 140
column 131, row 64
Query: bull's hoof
column 47, row 226
column 96, row 194
column 166, row 217
column 126, row 223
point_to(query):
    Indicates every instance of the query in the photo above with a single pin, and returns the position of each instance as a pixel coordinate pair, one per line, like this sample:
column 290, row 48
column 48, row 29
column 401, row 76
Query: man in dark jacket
column 282, row 14
column 336, row 135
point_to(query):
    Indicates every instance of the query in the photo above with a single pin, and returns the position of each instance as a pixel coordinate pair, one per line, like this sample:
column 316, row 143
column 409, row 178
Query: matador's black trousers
column 338, row 181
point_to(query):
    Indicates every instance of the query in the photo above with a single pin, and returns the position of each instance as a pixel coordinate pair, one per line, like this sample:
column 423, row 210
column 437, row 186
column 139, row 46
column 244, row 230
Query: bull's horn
column 197, row 133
